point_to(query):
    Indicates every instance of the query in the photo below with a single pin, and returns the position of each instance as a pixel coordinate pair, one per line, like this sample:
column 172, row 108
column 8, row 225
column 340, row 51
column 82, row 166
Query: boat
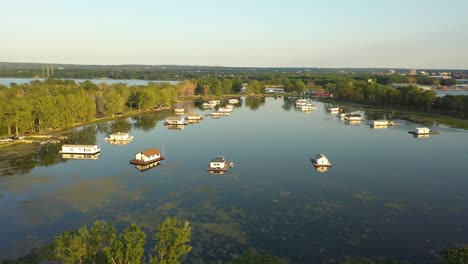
column 175, row 127
column 175, row 120
column 179, row 111
column 307, row 106
column 353, row 117
column 333, row 109
column 119, row 137
column 208, row 105
column 80, row 149
column 342, row 115
column 194, row 117
column 230, row 106
column 382, row 123
column 233, row 101
column 320, row 160
column 301, row 102
column 146, row 157
column 215, row 102
column 423, row 131
column 219, row 164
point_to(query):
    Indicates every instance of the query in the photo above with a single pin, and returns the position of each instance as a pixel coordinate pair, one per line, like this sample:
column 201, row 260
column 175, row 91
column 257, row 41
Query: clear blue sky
column 294, row 33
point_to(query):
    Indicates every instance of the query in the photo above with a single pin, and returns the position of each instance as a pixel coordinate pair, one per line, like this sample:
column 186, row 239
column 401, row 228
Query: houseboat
column 118, row 137
column 353, row 117
column 233, row 101
column 216, row 115
column 80, row 149
column 194, row 117
column 215, row 102
column 230, row 106
column 307, row 106
column 179, row 111
column 147, row 157
column 422, row 131
column 220, row 164
column 301, row 102
column 225, row 110
column 333, row 109
column 342, row 115
column 382, row 123
column 175, row 120
column 320, row 160
column 208, row 105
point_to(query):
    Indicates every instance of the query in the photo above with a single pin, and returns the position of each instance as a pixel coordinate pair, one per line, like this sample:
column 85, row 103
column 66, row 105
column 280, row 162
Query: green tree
column 128, row 247
column 72, row 247
column 252, row 257
column 172, row 238
column 455, row 256
column 99, row 238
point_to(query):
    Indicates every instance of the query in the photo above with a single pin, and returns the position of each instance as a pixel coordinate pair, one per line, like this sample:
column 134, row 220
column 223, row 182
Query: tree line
column 53, row 104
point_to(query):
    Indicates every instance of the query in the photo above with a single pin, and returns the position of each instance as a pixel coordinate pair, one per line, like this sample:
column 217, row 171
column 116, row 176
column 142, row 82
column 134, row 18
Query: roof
column 151, row 152
column 79, row 146
column 218, row 159
column 119, row 133
column 319, row 156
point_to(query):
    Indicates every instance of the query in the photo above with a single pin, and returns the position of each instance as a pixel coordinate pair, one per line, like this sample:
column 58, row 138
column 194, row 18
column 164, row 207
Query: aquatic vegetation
column 231, row 230
column 168, row 206
column 323, row 208
column 396, row 206
column 365, row 196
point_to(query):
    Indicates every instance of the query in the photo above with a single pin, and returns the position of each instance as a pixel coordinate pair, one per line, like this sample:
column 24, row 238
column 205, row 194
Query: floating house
column 179, row 111
column 333, row 109
column 119, row 136
column 382, row 123
column 194, row 117
column 320, row 160
column 307, row 106
column 80, row 149
column 215, row 102
column 216, row 115
column 208, row 105
column 175, row 120
column 220, row 164
column 301, row 102
column 233, row 101
column 353, row 117
column 147, row 156
column 421, row 131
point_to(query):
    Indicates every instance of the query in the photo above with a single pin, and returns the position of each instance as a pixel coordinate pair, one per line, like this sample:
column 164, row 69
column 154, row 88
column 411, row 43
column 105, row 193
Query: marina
column 357, row 200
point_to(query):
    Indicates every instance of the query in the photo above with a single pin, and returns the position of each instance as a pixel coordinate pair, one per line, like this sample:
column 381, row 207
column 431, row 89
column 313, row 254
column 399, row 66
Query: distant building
column 274, row 89
column 412, row 72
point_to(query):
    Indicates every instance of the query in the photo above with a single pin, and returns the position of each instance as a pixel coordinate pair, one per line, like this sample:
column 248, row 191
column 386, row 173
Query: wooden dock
column 144, row 163
column 228, row 164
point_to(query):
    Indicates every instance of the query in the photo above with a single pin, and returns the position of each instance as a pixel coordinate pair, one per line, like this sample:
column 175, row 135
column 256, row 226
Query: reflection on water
column 321, row 169
column 421, row 135
column 383, row 183
column 147, row 166
column 81, row 156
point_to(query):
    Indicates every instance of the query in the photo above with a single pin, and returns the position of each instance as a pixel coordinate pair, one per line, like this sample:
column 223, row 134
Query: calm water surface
column 387, row 194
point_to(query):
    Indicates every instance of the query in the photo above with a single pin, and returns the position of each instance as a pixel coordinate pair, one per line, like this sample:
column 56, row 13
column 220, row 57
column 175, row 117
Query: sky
column 247, row 33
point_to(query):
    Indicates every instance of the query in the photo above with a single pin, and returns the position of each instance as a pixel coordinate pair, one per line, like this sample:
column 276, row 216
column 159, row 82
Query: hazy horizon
column 269, row 34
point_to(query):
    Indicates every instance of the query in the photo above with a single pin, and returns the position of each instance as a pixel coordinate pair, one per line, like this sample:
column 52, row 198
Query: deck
column 144, row 163
column 227, row 166
column 432, row 132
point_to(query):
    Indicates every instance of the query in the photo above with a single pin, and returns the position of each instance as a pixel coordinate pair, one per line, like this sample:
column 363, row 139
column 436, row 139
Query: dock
column 144, row 163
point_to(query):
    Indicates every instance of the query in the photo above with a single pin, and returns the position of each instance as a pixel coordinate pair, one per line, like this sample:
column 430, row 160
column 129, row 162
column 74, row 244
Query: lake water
column 8, row 81
column 387, row 194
